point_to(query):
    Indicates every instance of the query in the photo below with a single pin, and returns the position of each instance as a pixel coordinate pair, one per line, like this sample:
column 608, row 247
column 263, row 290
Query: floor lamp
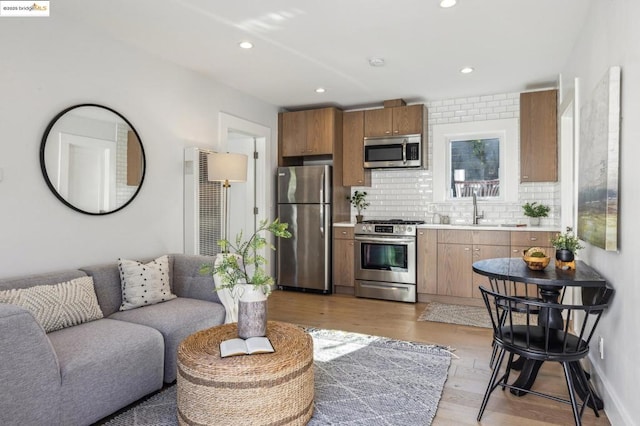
column 226, row 168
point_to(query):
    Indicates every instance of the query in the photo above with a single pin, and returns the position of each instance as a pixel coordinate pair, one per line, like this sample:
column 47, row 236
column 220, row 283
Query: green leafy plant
column 359, row 201
column 567, row 241
column 242, row 263
column 535, row 210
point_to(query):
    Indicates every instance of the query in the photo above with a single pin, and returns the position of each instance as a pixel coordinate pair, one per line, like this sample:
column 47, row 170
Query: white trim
column 264, row 182
column 508, row 132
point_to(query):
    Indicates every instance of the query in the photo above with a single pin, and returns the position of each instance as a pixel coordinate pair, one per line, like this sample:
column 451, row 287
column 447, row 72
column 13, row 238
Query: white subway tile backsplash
column 409, row 193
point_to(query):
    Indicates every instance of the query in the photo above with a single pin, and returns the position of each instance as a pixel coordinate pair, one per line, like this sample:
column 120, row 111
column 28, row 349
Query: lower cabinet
column 343, row 260
column 457, row 250
column 454, row 270
column 481, row 252
column 524, row 240
column 427, row 256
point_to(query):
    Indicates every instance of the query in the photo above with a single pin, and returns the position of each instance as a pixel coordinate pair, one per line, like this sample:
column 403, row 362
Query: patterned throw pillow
column 58, row 306
column 144, row 284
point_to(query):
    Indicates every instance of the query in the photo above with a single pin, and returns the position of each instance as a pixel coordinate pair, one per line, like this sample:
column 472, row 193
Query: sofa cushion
column 175, row 319
column 144, row 284
column 58, row 305
column 187, row 281
column 29, row 374
column 104, row 366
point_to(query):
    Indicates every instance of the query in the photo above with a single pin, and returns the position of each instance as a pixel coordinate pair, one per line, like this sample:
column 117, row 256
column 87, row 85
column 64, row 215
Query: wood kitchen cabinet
column 353, row 171
column 523, row 240
column 457, row 250
column 427, row 255
column 343, row 259
column 539, row 136
column 309, row 132
column 401, row 120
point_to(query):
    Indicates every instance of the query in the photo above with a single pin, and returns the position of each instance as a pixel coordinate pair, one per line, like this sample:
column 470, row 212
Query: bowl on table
column 536, row 263
column 536, row 258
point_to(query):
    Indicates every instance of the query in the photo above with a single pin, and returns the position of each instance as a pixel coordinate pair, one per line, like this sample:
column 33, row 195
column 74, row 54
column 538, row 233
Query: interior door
column 242, row 195
column 86, row 164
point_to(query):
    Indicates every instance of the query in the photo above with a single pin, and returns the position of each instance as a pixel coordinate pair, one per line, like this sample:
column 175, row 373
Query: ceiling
column 299, row 45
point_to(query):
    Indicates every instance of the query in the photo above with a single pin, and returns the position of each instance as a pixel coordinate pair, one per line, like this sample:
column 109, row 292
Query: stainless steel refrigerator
column 304, row 202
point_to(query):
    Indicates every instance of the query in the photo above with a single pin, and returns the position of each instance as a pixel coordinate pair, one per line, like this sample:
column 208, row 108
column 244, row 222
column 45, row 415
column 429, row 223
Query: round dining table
column 551, row 281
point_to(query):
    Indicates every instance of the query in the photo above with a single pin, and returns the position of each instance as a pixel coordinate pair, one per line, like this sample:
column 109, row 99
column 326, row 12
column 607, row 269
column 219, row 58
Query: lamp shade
column 227, row 167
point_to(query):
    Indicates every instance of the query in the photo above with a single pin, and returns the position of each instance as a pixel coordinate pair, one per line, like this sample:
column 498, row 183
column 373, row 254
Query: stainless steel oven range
column 385, row 259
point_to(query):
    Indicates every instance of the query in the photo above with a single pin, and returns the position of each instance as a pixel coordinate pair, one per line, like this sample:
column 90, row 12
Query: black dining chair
column 518, row 331
column 519, row 290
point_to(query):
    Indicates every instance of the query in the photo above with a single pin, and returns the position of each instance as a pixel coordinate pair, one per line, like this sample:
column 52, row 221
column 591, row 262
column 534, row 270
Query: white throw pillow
column 59, row 305
column 144, row 284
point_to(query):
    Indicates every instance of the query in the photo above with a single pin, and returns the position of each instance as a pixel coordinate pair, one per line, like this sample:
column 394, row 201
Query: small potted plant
column 241, row 280
column 534, row 212
column 566, row 245
column 359, row 201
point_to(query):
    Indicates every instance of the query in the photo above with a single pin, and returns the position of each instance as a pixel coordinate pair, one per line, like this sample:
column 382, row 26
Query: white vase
column 534, row 221
column 252, row 311
column 228, row 298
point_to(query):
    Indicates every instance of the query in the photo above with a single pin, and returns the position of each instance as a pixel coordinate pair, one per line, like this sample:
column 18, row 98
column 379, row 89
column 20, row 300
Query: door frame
column 264, row 183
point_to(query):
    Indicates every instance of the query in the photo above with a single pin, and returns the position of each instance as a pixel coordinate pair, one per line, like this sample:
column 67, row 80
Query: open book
column 252, row 345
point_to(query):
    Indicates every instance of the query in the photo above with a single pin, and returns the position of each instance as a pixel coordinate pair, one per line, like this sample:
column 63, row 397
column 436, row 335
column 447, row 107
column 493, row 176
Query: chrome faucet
column 476, row 216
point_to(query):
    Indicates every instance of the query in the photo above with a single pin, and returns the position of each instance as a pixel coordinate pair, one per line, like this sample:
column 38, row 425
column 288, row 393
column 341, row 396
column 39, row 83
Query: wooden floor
column 469, row 371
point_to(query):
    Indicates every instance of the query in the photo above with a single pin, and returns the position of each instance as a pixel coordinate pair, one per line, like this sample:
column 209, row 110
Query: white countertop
column 481, row 227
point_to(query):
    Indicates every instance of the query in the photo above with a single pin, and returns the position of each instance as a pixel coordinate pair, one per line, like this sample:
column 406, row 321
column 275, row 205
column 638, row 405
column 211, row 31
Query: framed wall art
column 598, row 164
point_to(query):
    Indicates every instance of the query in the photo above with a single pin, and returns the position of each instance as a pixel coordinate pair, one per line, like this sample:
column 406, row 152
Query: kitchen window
column 480, row 157
column 475, row 167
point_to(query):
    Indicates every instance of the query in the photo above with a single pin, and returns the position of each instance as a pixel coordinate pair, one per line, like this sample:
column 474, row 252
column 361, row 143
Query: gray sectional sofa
column 83, row 373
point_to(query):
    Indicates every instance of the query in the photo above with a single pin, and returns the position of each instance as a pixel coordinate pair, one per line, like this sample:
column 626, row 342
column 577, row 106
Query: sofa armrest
column 29, row 371
column 187, row 281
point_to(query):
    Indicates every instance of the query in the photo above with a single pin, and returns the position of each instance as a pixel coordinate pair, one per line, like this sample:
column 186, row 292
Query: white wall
column 610, row 37
column 49, row 64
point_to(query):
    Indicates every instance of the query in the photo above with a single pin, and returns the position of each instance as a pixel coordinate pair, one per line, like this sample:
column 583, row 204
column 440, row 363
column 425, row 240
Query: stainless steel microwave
column 393, row 152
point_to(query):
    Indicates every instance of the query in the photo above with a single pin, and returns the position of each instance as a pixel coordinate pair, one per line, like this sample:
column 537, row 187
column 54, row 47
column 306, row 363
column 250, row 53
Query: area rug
column 359, row 380
column 456, row 314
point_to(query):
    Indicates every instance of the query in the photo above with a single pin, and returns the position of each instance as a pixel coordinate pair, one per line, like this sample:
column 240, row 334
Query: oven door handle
column 384, row 240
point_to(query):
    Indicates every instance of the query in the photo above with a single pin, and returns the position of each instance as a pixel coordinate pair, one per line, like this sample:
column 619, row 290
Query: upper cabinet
column 539, row 136
column 310, row 132
column 397, row 120
column 353, row 171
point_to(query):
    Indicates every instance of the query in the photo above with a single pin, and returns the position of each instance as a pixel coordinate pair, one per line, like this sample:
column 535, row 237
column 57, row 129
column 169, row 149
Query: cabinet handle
column 534, row 238
column 467, row 249
column 344, row 232
column 477, row 249
column 525, row 177
column 515, row 250
column 421, row 232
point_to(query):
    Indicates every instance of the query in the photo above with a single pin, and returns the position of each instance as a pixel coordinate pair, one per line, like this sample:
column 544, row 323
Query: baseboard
column 615, row 411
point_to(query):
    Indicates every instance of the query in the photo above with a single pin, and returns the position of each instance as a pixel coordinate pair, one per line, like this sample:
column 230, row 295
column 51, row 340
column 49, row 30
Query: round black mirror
column 92, row 159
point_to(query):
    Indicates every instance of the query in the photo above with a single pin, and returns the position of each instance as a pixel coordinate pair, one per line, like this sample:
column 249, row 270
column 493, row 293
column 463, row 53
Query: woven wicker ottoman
column 260, row 389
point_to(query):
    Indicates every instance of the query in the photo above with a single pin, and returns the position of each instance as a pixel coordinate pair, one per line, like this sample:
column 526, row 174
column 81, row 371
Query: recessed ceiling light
column 246, row 44
column 320, row 90
column 447, row 3
column 466, row 70
column 376, row 62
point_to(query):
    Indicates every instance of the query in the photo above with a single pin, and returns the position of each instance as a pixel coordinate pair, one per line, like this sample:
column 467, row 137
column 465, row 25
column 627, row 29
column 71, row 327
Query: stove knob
column 402, row 229
column 409, row 229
